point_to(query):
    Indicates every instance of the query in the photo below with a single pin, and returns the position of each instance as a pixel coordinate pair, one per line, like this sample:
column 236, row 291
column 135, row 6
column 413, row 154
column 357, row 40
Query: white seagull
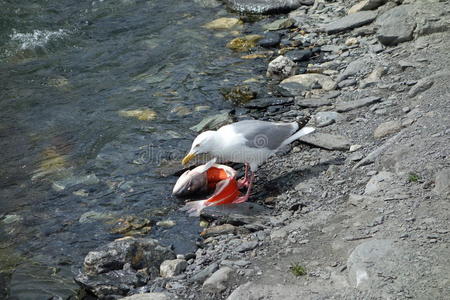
column 250, row 142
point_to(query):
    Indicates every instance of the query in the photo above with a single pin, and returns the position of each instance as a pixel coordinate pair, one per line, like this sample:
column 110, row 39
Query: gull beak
column 188, row 158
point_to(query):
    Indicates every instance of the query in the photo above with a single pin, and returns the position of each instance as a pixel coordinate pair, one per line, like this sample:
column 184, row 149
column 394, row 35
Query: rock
column 306, row 82
column 387, row 128
column 201, row 276
column 150, row 296
column 218, row 230
column 239, row 95
column 271, row 39
column 213, row 122
column 325, row 118
column 366, row 5
column 266, row 102
column 312, row 102
column 351, row 21
column 132, row 225
column 373, row 77
column 346, row 83
column 279, row 24
column 266, row 6
column 299, row 55
column 272, row 290
column 442, row 183
column 247, row 246
column 396, row 26
column 75, row 180
column 354, row 148
column 351, row 41
column 171, row 268
column 224, row 23
column 235, row 214
column 379, row 182
column 145, row 114
column 93, row 216
column 166, row 223
column 359, row 66
column 216, row 283
column 244, row 43
column 280, row 68
column 347, row 106
column 138, row 252
column 355, row 156
column 327, row 141
column 421, row 86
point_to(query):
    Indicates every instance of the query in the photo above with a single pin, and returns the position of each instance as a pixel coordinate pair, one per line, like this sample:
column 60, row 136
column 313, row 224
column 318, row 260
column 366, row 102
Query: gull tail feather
column 194, row 208
column 297, row 135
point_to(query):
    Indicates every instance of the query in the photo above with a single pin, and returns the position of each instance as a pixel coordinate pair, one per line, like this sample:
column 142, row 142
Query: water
column 96, row 98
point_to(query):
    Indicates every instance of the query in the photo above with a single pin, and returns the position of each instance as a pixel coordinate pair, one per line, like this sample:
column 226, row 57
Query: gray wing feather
column 262, row 134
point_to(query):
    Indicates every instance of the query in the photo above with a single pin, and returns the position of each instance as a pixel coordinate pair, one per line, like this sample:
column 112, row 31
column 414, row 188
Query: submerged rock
column 213, row 122
column 244, row 43
column 239, row 95
column 132, row 225
column 224, row 23
column 145, row 114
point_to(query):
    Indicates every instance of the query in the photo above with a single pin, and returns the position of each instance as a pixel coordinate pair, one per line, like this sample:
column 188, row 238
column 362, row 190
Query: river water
column 96, row 101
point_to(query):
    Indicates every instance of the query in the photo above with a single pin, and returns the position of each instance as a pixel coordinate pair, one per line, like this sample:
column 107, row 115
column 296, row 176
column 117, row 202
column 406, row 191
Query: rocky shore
column 358, row 210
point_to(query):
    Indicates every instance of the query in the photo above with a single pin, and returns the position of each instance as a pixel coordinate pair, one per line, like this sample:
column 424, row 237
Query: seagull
column 250, row 142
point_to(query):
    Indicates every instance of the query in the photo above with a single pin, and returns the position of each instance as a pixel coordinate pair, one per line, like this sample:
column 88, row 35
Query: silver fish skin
column 191, row 182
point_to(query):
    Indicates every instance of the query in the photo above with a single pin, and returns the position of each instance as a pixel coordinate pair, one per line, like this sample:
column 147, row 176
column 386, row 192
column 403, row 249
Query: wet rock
column 244, row 43
column 166, row 223
column 396, row 26
column 266, row 6
column 218, row 230
column 442, row 183
column 145, row 114
column 213, row 122
column 216, row 283
column 132, row 225
column 379, row 182
column 271, row 39
column 299, row 55
column 204, row 273
column 387, row 128
column 280, row 68
column 351, row 21
column 150, row 296
column 224, row 24
column 235, row 214
column 420, row 87
column 325, row 118
column 9, row 219
column 266, row 102
column 279, row 24
column 92, row 216
column 327, row 141
column 173, row 267
column 247, row 246
column 306, row 82
column 69, row 182
column 347, row 106
column 312, row 102
column 366, row 5
column 239, row 95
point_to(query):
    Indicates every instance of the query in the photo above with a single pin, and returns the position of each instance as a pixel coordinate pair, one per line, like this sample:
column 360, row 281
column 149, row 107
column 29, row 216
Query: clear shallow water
column 69, row 72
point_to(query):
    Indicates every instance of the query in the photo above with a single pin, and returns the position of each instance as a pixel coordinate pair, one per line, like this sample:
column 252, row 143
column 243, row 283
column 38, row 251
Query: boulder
column 396, row 25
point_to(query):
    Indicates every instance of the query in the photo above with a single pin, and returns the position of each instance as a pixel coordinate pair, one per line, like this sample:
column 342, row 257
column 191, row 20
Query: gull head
column 203, row 143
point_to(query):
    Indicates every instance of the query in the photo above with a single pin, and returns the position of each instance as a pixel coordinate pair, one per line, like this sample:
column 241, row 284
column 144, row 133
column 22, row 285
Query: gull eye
column 196, row 146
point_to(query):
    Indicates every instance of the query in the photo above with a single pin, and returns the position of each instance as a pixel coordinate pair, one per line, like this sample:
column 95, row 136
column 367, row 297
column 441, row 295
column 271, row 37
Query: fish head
column 190, row 182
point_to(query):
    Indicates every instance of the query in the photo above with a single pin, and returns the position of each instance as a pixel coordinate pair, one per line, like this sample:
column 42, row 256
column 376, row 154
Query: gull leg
column 247, row 194
column 246, row 180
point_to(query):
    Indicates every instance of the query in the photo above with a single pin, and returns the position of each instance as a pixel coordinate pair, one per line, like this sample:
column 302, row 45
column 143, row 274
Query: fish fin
column 194, row 208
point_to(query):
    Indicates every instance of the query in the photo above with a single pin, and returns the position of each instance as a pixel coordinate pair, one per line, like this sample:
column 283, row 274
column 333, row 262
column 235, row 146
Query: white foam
column 38, row 38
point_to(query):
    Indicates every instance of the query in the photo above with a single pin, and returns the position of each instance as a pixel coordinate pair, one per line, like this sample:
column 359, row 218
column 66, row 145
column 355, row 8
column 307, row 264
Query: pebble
column 171, row 268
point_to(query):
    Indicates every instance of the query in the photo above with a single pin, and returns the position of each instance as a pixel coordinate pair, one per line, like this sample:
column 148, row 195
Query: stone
column 145, row 114
column 351, row 41
column 373, row 78
column 224, row 24
column 378, row 183
column 325, row 118
column 279, row 24
column 387, row 128
column 93, row 216
column 218, row 230
column 266, row 102
column 351, row 21
column 354, row 148
column 173, row 267
column 244, row 43
column 421, row 86
column 327, row 141
column 347, row 83
column 278, row 234
column 299, row 55
column 366, row 5
column 239, row 95
column 202, row 275
column 234, row 214
column 131, row 225
column 271, row 39
column 281, row 68
column 312, row 102
column 72, row 181
column 266, row 6
column 150, row 296
column 396, row 25
column 272, row 290
column 356, row 67
column 216, row 283
column 351, row 105
column 247, row 246
column 307, row 82
column 213, row 122
column 442, row 183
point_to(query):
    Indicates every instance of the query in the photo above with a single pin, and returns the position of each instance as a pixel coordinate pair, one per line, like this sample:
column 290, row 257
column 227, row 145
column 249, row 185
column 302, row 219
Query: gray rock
column 266, row 6
column 360, row 66
column 216, row 283
column 420, row 87
column 327, row 141
column 235, row 214
column 279, row 24
column 299, row 55
column 442, row 183
column 312, row 102
column 346, row 83
column 351, row 21
column 280, row 68
column 150, row 296
column 247, row 246
column 172, row 267
column 204, row 273
column 218, row 230
column 347, row 106
column 379, row 182
column 366, row 5
column 387, row 128
column 266, row 102
column 306, row 82
column 271, row 39
column 75, row 180
column 213, row 122
column 396, row 25
column 325, row 118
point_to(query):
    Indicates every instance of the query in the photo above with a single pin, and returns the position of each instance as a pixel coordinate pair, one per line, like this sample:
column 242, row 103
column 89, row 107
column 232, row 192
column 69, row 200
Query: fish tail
column 194, row 208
